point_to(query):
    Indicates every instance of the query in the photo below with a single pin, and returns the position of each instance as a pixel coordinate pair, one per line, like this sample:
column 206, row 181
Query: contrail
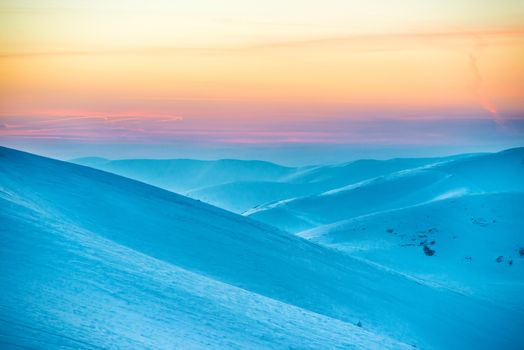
column 484, row 102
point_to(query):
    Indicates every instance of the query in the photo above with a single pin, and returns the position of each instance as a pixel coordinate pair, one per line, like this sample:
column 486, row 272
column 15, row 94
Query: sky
column 252, row 79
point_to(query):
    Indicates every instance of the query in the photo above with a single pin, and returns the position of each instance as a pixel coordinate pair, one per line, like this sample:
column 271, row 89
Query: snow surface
column 488, row 173
column 183, row 175
column 239, row 186
column 94, row 260
column 65, row 287
column 477, row 240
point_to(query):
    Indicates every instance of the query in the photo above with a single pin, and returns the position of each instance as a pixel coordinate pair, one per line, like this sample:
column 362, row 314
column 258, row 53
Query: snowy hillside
column 238, row 185
column 240, row 197
column 473, row 244
column 94, row 260
column 66, row 287
column 498, row 172
column 182, row 175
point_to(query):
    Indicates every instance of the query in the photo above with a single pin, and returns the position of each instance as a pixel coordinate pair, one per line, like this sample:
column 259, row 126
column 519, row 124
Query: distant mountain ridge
column 182, row 175
column 498, row 172
column 241, row 185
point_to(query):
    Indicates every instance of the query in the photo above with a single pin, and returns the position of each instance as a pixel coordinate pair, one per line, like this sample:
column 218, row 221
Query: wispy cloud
column 163, row 130
column 357, row 42
column 87, row 128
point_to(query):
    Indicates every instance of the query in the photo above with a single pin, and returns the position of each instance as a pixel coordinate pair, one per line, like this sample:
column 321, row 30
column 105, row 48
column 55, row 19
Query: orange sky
column 245, row 59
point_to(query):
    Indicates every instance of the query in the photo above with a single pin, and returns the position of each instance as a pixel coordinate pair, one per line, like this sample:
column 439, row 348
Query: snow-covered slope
column 238, row 185
column 182, row 175
column 497, row 172
column 94, row 260
column 473, row 244
column 338, row 175
column 66, row 287
column 241, row 196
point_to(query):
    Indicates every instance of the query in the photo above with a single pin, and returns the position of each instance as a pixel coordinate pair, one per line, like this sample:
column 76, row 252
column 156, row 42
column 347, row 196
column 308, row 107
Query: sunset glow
column 206, row 61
